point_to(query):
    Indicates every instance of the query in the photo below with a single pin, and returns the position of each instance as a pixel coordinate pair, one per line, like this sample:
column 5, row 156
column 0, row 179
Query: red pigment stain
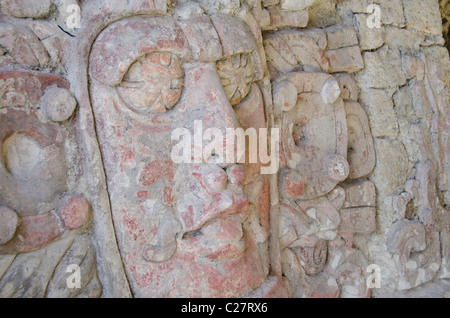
column 188, row 217
column 126, row 155
column 211, row 96
column 199, row 74
column 168, row 197
column 292, row 188
column 132, row 225
column 156, row 170
column 213, row 207
column 142, row 196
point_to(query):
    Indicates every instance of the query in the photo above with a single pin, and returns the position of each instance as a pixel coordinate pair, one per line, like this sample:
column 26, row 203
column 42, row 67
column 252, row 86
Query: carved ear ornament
column 153, row 84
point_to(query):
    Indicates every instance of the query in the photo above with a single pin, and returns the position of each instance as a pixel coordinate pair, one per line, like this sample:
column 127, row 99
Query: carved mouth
column 222, row 238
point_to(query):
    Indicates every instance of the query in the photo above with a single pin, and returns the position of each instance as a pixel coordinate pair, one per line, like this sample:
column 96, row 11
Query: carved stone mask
column 181, row 227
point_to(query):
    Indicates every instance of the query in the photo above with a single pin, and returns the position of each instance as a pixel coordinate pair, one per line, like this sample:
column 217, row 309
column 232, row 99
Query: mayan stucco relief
column 311, row 144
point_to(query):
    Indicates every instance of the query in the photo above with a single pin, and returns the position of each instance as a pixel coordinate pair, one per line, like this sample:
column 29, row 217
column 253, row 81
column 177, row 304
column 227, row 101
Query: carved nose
column 216, row 179
column 206, row 99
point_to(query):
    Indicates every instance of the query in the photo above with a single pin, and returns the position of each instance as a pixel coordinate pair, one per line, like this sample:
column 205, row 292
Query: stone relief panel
column 179, row 226
column 326, row 140
column 88, row 176
column 44, row 218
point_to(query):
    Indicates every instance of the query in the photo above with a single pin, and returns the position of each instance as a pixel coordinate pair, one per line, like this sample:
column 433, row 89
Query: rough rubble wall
column 364, row 161
column 404, row 89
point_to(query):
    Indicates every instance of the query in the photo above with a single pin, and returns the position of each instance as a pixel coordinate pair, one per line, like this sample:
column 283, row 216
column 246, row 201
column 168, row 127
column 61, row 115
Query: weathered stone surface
column 422, row 16
column 291, row 50
column 369, row 38
column 346, row 59
column 348, row 85
column 286, row 19
column 445, row 11
column 360, row 193
column 58, row 104
column 300, row 132
column 339, row 37
column 26, row 9
column 358, row 220
column 9, row 223
column 393, row 167
column 392, row 12
column 207, row 46
column 417, row 253
column 380, row 110
column 92, row 116
column 23, row 46
column 445, row 271
column 296, row 5
column 323, row 14
column 383, row 69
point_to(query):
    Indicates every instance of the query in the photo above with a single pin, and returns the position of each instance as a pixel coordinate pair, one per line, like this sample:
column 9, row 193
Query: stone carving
column 172, row 218
column 87, row 176
column 408, row 238
column 41, row 211
column 326, row 140
column 415, row 239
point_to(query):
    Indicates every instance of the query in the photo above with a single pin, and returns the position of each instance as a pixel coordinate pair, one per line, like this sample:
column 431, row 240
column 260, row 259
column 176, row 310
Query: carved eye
column 236, row 74
column 154, row 83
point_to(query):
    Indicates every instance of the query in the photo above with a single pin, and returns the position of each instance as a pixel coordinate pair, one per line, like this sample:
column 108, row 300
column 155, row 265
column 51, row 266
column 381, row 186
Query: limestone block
column 341, row 36
column 421, row 16
column 223, row 6
column 268, row 3
column 346, row 59
column 380, row 109
column 403, row 102
column 382, row 69
column 296, row 5
column 286, row 19
column 359, row 193
column 323, row 14
column 358, row 220
column 393, row 166
column 292, row 50
column 369, row 38
column 411, row 39
column 392, row 12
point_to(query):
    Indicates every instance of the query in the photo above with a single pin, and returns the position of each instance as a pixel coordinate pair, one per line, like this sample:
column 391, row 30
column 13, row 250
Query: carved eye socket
column 236, row 74
column 154, row 83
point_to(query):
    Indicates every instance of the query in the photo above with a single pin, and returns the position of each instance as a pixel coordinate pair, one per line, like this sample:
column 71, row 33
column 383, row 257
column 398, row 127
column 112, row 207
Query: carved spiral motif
column 313, row 259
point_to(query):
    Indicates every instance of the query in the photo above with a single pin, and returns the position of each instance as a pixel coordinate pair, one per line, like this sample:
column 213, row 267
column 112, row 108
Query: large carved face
column 183, row 229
